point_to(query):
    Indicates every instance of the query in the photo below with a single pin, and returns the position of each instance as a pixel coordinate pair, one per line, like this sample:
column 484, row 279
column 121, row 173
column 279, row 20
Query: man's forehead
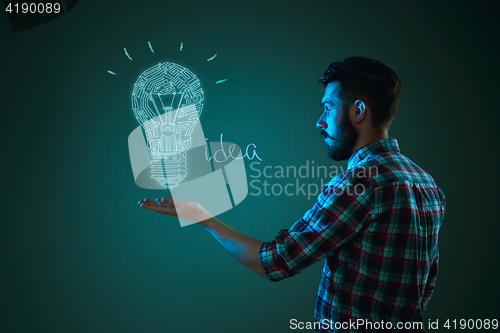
column 331, row 92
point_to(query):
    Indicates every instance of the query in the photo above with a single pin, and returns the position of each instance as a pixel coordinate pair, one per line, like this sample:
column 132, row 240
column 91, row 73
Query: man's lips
column 325, row 135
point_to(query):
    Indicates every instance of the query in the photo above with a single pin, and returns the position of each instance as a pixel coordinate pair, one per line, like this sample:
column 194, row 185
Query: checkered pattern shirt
column 377, row 224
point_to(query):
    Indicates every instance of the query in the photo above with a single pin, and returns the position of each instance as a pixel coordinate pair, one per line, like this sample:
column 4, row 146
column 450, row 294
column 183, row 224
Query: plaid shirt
column 377, row 224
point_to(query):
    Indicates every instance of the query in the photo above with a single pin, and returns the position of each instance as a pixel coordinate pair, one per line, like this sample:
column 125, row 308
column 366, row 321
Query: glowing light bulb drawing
column 167, row 101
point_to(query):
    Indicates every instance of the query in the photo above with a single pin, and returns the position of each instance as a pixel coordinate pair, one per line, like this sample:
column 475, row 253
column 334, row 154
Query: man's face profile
column 335, row 124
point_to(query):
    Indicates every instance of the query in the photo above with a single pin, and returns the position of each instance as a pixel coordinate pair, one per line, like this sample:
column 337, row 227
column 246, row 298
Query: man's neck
column 367, row 139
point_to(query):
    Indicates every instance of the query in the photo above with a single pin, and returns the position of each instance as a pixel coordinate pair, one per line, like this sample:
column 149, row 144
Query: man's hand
column 190, row 210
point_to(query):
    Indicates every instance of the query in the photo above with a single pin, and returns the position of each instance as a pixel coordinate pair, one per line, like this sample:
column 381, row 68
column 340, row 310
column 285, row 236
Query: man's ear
column 360, row 110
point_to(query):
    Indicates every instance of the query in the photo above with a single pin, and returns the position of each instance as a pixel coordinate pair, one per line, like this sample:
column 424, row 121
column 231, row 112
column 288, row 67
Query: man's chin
column 337, row 155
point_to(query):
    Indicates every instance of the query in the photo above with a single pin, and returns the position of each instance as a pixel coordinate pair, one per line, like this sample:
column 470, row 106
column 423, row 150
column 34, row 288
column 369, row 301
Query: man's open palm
column 190, row 210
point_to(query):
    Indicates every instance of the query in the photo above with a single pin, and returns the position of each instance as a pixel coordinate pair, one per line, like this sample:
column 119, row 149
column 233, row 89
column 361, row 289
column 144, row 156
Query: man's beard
column 343, row 140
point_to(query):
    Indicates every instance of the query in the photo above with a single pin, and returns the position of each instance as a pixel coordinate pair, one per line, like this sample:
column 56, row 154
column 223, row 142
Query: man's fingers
column 160, row 209
column 151, row 202
column 147, row 201
column 166, row 201
column 190, row 210
column 170, row 202
column 162, row 206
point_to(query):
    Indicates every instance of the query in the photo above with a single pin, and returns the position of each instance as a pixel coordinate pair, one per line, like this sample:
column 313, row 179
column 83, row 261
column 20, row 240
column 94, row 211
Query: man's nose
column 321, row 124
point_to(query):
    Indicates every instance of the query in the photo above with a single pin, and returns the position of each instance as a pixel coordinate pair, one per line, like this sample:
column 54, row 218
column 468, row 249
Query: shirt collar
column 374, row 147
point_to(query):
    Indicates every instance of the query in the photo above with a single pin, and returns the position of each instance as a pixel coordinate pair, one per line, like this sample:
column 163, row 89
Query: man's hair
column 370, row 81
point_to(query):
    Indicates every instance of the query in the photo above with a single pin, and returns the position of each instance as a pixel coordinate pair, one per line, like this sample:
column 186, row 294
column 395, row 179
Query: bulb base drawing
column 171, row 171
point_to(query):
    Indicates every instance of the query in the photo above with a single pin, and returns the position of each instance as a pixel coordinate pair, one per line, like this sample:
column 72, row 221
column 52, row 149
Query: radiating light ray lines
column 153, row 51
column 128, row 55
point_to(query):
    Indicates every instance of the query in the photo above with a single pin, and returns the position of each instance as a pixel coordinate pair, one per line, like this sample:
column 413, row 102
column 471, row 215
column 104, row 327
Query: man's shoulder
column 388, row 167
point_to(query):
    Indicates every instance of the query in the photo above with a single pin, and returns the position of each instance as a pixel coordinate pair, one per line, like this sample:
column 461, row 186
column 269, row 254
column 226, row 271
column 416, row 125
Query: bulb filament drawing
column 167, row 101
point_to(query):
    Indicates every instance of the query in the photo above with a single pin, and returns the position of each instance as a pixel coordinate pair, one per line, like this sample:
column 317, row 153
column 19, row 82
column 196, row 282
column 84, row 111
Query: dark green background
column 79, row 255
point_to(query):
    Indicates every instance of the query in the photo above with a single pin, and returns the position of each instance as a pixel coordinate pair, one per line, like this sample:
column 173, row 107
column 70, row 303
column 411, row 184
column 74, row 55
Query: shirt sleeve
column 342, row 209
column 431, row 280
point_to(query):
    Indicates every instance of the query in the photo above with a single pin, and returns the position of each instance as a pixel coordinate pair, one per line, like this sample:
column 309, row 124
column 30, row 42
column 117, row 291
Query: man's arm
column 241, row 247
column 431, row 279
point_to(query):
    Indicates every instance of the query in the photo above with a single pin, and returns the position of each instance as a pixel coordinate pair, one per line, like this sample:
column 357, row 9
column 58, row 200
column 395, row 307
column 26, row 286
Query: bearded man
column 377, row 230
